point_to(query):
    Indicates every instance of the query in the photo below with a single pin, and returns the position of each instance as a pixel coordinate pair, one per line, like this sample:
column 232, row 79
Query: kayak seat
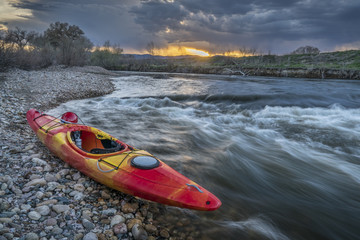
column 91, row 143
column 104, row 150
column 110, row 146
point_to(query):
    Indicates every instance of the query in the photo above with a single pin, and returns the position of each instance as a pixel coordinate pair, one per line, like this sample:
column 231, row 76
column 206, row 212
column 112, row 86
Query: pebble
column 31, row 236
column 5, row 220
column 150, row 228
column 60, row 208
column 120, row 228
column 76, row 195
column 39, row 161
column 7, row 214
column 76, row 176
column 63, row 172
column 43, row 210
column 105, row 195
column 39, row 181
column 34, row 215
column 132, row 222
column 47, row 202
column 78, row 236
column 8, row 235
column 4, row 205
column 90, row 236
column 50, row 177
column 109, row 212
column 87, row 214
column 130, row 207
column 164, row 233
column 39, row 195
column 52, row 186
column 116, row 220
column 79, row 187
column 50, row 222
column 34, row 176
column 56, row 230
column 139, row 233
column 87, row 224
column 47, row 168
column 4, row 186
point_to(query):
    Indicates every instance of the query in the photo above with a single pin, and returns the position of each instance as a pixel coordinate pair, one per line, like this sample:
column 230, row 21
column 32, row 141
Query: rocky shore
column 41, row 197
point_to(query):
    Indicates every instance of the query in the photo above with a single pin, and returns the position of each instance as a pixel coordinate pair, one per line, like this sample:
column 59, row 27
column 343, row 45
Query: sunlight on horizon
column 180, row 51
column 174, row 51
column 192, row 51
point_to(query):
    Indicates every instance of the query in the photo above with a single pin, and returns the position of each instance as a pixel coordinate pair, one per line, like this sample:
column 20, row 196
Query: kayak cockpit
column 95, row 141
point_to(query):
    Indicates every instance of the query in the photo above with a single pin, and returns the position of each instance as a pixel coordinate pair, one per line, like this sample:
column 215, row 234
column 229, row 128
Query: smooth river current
column 282, row 154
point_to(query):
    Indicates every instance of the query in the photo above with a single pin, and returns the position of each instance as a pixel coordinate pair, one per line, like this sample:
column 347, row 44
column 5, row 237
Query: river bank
column 41, row 197
column 315, row 73
column 329, row 65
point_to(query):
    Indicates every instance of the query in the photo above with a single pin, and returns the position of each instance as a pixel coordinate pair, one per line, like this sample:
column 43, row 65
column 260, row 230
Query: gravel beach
column 41, row 197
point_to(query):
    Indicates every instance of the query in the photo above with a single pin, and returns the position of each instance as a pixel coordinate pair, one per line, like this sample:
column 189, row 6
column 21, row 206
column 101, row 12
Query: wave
column 259, row 225
column 250, row 92
column 256, row 101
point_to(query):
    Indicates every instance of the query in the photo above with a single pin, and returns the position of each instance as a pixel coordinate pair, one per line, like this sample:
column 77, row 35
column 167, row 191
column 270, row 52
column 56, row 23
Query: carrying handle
column 194, row 186
column 101, row 170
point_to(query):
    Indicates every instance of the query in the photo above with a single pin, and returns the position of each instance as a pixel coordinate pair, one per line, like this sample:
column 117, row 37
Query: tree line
column 61, row 43
column 65, row 44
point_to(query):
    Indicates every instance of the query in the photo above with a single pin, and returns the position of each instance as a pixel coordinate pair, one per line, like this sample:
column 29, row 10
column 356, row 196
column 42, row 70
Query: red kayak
column 116, row 164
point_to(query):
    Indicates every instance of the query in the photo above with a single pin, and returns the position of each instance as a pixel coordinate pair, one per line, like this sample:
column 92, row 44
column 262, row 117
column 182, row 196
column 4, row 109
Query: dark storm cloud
column 100, row 20
column 36, row 6
column 277, row 25
column 158, row 15
column 256, row 22
column 216, row 7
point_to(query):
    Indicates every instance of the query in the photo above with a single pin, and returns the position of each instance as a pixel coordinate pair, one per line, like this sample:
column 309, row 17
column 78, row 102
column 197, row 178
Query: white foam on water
column 316, row 148
column 258, row 225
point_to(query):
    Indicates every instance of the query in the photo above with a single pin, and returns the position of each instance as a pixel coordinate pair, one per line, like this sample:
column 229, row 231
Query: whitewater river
column 281, row 154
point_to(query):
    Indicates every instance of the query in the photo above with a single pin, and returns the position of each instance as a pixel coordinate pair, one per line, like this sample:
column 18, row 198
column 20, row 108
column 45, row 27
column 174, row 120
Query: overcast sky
column 278, row 26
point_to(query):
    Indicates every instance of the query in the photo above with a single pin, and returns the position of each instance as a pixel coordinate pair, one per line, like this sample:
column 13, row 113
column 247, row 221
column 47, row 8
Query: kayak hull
column 116, row 170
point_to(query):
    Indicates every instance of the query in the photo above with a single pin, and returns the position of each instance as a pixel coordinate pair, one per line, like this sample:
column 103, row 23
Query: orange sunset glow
column 173, row 51
column 196, row 52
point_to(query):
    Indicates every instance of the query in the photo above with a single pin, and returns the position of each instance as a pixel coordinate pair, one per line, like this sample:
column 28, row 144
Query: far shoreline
column 314, row 73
